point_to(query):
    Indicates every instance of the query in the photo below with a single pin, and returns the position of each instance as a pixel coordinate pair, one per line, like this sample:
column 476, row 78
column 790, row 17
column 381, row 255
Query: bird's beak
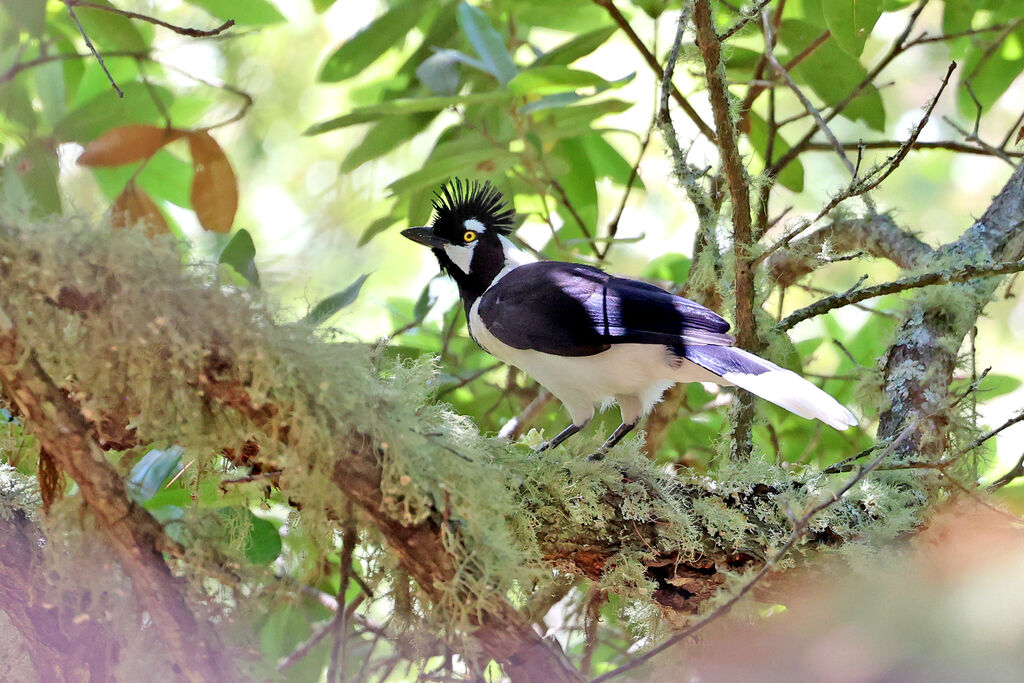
column 424, row 236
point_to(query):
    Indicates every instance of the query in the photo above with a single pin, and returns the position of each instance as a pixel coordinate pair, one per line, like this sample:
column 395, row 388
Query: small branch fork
column 853, row 296
column 799, row 527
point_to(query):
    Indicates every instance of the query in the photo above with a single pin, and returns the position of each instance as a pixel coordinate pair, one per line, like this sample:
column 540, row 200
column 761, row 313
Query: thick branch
column 133, row 534
column 919, row 365
column 878, row 235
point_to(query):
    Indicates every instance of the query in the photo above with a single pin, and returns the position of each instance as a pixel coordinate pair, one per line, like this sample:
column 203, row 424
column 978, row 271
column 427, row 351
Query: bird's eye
column 469, row 236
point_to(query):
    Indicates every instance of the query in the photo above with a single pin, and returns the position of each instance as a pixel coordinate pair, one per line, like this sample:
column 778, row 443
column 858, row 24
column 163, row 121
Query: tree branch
column 877, row 234
column 964, row 274
column 134, row 535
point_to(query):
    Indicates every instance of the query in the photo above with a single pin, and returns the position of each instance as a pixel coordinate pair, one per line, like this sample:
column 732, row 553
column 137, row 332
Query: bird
column 589, row 337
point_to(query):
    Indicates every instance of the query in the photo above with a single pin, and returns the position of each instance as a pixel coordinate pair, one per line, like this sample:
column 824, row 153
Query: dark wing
column 575, row 310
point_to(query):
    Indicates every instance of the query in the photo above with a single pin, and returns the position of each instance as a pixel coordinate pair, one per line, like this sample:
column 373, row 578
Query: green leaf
column 487, row 42
column 243, row 12
column 580, row 46
column 607, row 161
column 335, row 302
column 106, row 110
column 580, row 185
column 107, row 30
column 30, row 15
column 671, row 267
column 385, row 136
column 29, row 181
column 322, row 6
column 545, row 80
column 149, row 473
column 792, row 176
column 991, row 73
column 380, row 225
column 166, row 176
column 997, row 385
column 437, row 170
column 851, row 22
column 263, row 542
column 365, row 47
column 832, row 73
column 403, row 106
column 240, row 254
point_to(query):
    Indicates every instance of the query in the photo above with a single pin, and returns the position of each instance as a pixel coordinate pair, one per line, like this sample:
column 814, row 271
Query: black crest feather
column 459, row 200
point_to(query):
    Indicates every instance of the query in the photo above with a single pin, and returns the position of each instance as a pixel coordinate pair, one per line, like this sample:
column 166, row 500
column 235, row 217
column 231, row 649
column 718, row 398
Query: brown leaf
column 133, row 206
column 214, row 187
column 127, row 144
column 1020, row 136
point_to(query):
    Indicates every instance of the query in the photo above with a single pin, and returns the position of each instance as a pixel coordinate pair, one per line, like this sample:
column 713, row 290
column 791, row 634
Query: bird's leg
column 559, row 438
column 620, row 431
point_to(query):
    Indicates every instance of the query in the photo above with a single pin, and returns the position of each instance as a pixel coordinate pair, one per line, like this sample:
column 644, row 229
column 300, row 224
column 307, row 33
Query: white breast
column 640, row 371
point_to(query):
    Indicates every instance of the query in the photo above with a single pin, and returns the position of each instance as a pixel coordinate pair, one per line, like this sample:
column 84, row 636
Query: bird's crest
column 459, row 200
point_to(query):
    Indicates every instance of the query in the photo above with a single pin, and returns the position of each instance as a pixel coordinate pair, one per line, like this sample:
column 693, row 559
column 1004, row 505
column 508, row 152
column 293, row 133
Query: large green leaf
column 545, row 80
column 851, row 21
column 487, row 42
column 580, row 46
column 365, row 47
column 374, row 112
column 479, row 161
column 991, row 72
column 385, row 136
column 29, row 181
column 106, row 110
column 107, row 30
column 243, row 12
column 29, row 15
column 832, row 73
column 607, row 161
column 580, row 185
column 165, row 176
column 792, row 176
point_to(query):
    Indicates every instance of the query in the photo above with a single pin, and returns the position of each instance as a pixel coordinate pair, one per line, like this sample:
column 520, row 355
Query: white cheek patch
column 474, row 225
column 461, row 256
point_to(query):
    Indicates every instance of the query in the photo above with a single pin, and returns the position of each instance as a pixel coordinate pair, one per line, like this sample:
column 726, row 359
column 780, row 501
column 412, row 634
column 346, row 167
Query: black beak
column 424, row 236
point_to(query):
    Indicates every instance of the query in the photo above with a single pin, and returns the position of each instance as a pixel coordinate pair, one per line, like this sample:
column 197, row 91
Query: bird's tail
column 772, row 383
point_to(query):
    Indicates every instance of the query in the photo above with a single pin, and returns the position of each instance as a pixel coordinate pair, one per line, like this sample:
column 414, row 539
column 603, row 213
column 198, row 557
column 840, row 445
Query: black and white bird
column 589, row 337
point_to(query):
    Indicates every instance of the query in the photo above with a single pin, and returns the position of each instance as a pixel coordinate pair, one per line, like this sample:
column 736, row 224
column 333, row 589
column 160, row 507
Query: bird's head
column 468, row 234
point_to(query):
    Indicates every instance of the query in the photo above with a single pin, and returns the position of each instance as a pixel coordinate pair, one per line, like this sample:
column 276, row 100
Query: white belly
column 637, row 371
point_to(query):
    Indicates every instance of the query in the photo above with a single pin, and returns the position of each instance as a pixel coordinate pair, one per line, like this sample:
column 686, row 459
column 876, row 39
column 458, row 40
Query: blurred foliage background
column 295, row 144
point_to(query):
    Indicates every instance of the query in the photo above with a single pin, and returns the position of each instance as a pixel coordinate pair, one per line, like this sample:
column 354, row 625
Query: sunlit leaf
column 546, row 80
column 792, row 176
column 580, row 46
column 851, row 21
column 366, row 46
column 243, row 12
column 404, row 106
column 832, row 73
column 335, row 302
column 240, row 254
column 487, row 42
column 106, row 110
column 126, row 144
column 134, row 207
column 214, row 186
column 30, row 15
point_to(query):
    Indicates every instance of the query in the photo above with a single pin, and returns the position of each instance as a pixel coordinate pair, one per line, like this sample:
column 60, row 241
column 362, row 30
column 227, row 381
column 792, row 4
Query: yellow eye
column 469, row 236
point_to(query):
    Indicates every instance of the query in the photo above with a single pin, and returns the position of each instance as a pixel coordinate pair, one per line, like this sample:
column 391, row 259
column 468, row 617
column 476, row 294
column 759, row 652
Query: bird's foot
column 541, row 448
column 596, row 456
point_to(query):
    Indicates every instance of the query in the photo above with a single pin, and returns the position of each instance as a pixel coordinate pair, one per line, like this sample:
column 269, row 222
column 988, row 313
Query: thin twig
column 88, row 43
column 815, row 114
column 950, row 145
column 963, row 274
column 182, row 30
